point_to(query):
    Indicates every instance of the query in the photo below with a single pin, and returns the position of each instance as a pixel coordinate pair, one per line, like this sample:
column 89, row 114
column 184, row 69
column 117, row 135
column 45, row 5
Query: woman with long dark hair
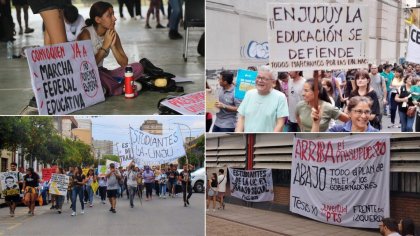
column 405, row 102
column 212, row 191
column 30, row 187
column 79, row 180
column 406, row 227
column 149, row 179
column 307, row 105
column 90, row 179
column 396, row 83
column 362, row 88
column 100, row 29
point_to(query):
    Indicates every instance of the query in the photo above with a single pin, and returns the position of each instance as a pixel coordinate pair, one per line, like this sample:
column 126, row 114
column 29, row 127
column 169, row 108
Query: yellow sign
column 95, row 186
column 85, row 171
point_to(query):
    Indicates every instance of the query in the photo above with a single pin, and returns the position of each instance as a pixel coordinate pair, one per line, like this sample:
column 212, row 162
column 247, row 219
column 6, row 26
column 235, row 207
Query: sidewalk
column 281, row 223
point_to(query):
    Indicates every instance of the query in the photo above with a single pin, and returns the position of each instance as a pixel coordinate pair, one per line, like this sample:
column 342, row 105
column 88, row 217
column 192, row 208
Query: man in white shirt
column 221, row 186
column 388, row 227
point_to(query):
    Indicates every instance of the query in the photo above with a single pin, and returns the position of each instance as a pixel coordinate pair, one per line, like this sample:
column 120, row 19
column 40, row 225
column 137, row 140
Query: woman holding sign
column 79, row 180
column 90, row 179
column 58, row 198
column 100, row 29
column 305, row 108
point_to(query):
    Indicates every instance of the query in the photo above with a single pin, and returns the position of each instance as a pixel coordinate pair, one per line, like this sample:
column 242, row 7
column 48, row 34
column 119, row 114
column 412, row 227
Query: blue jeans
column 175, row 15
column 90, row 194
column 218, row 129
column 406, row 122
column 163, row 189
column 59, row 200
column 77, row 190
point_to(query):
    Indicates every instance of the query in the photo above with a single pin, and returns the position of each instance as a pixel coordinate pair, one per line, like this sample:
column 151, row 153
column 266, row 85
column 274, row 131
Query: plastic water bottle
column 9, row 50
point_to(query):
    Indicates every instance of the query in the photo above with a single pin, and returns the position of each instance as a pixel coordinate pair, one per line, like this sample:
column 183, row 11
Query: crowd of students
column 288, row 102
column 167, row 182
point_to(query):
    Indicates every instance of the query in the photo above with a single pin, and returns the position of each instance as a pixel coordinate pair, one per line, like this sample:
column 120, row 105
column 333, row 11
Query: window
column 281, row 177
column 405, row 182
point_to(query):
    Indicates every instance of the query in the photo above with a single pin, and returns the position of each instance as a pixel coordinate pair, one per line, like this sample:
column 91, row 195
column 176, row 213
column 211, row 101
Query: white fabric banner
column 413, row 49
column 317, row 36
column 124, row 152
column 59, row 184
column 252, row 185
column 343, row 181
column 149, row 149
column 64, row 77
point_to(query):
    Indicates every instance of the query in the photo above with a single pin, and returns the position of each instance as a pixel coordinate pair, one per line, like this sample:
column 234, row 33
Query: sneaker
column 82, row 212
column 29, row 212
column 188, row 202
column 29, row 30
column 91, row 205
column 391, row 126
column 148, row 26
column 59, row 211
column 132, row 206
column 52, row 207
column 174, row 35
column 185, row 204
column 111, row 209
column 114, row 211
column 73, row 214
column 159, row 26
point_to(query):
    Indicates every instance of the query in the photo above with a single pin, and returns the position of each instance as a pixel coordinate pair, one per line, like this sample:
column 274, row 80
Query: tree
column 195, row 153
column 40, row 130
column 109, row 157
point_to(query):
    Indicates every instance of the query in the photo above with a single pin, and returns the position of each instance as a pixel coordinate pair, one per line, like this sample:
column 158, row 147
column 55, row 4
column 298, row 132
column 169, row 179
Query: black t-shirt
column 213, row 183
column 186, row 175
column 78, row 178
column 402, row 94
column 172, row 175
column 31, row 181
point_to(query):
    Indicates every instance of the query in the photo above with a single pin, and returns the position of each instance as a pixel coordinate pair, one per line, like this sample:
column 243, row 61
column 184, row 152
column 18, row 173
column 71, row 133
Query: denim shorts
column 38, row 6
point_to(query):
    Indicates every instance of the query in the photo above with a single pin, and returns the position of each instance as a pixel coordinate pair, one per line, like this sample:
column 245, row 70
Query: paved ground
column 138, row 42
column 247, row 219
column 220, row 226
column 386, row 121
column 156, row 217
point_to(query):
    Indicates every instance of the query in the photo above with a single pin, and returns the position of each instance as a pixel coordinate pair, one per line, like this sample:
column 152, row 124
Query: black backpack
column 152, row 73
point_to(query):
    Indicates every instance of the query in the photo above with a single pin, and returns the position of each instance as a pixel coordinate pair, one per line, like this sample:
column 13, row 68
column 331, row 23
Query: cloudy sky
column 116, row 128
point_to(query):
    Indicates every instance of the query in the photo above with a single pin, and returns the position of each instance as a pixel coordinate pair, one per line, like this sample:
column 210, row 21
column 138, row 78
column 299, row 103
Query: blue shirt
column 346, row 127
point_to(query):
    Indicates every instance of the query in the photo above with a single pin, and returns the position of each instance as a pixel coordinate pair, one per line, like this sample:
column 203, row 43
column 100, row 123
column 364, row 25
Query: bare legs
column 54, row 27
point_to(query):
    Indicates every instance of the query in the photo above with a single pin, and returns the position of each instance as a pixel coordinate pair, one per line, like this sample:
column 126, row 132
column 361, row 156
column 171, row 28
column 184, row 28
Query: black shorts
column 38, row 6
column 12, row 198
column 19, row 2
column 111, row 193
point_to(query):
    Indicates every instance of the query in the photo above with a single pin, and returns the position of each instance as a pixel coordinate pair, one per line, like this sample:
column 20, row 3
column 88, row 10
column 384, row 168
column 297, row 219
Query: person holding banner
column 185, row 178
column 131, row 182
column 79, row 180
column 163, row 179
column 12, row 191
column 31, row 187
column 263, row 109
column 100, row 29
column 149, row 179
column 305, row 108
column 358, row 109
column 172, row 178
column 113, row 176
column 212, row 191
column 227, row 104
column 59, row 199
column 139, row 183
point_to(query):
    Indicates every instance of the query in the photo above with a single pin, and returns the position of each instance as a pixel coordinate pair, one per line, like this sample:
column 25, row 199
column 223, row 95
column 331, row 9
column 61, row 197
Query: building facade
column 152, row 127
column 274, row 151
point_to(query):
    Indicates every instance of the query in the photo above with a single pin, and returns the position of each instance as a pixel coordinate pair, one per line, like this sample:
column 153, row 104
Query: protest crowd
column 67, row 184
column 356, row 100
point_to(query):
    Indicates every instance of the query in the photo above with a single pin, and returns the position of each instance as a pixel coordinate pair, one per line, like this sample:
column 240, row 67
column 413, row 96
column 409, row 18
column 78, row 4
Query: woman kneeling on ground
column 100, row 29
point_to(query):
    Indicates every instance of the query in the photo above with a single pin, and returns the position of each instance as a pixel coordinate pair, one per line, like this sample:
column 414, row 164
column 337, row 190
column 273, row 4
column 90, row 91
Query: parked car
column 197, row 179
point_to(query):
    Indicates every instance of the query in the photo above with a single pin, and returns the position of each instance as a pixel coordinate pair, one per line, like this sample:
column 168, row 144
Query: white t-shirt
column 221, row 180
column 131, row 178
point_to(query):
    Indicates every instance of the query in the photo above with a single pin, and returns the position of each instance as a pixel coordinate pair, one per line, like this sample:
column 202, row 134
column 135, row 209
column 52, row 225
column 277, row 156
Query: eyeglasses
column 360, row 112
column 263, row 78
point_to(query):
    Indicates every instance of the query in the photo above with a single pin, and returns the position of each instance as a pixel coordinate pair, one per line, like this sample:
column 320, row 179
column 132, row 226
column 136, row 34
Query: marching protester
column 221, row 187
column 172, row 179
column 362, row 88
column 157, row 172
column 31, row 187
column 59, row 199
column 139, row 183
column 263, row 109
column 304, row 108
column 294, row 96
column 90, row 179
column 185, row 178
column 396, row 83
column 406, row 107
column 212, row 191
column 112, row 175
column 12, row 191
column 79, row 180
column 227, row 104
column 132, row 182
column 163, row 179
column 102, row 189
column 389, row 76
column 100, row 29
column 148, row 179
